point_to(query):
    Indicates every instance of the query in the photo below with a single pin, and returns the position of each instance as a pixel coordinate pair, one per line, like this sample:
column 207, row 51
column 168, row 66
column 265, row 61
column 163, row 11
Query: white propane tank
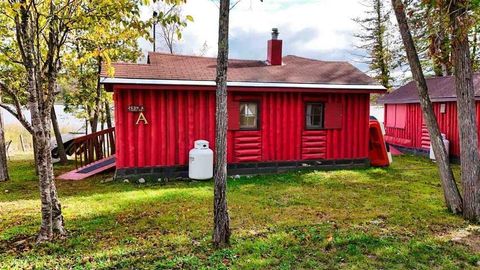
column 200, row 165
column 447, row 147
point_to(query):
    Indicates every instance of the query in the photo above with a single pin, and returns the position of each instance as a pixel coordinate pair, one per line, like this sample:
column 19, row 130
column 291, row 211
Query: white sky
column 320, row 29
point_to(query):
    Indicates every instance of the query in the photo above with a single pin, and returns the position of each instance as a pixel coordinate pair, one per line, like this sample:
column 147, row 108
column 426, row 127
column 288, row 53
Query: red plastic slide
column 377, row 148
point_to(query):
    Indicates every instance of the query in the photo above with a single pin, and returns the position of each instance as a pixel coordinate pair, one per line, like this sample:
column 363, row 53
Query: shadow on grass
column 369, row 218
column 288, row 247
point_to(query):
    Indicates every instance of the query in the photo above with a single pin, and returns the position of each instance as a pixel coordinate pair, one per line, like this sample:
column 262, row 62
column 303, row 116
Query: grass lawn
column 356, row 219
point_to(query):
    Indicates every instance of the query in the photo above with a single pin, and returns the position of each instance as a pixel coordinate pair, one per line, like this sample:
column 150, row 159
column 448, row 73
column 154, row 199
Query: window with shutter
column 314, row 115
column 233, row 115
column 333, row 115
column 249, row 115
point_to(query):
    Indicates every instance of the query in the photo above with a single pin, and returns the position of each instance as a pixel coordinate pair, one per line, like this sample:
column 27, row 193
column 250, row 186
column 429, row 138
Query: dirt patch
column 18, row 244
column 469, row 236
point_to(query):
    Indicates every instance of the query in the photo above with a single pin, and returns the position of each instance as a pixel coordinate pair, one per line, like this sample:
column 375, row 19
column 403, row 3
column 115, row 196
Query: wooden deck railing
column 94, row 147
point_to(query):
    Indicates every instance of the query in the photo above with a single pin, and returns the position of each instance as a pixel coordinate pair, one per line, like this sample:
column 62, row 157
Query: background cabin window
column 314, row 115
column 248, row 115
column 396, row 115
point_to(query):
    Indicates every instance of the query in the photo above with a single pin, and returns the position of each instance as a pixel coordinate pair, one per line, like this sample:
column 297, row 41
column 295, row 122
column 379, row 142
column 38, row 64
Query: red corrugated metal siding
column 416, row 131
column 177, row 118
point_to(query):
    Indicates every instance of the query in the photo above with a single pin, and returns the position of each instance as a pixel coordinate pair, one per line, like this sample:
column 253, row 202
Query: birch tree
column 452, row 196
column 40, row 33
column 34, row 39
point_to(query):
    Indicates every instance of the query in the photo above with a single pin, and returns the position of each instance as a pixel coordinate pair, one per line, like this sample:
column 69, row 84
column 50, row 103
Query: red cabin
column 284, row 113
column 405, row 128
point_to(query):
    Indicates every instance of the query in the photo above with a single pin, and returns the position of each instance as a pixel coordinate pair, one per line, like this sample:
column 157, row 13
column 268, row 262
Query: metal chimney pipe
column 275, row 33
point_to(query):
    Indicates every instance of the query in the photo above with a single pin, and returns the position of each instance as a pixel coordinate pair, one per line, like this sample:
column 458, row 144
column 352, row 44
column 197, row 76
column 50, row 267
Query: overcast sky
column 320, row 29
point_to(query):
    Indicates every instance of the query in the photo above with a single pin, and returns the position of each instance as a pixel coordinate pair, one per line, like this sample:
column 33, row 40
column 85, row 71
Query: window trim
column 240, row 115
column 307, row 127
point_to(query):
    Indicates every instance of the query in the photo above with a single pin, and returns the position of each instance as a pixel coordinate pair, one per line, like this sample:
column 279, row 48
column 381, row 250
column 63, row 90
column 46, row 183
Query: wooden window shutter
column 391, row 115
column 233, row 115
column 333, row 115
column 400, row 116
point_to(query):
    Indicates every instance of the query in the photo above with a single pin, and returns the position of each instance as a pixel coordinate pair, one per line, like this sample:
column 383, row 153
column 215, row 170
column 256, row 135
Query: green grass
column 391, row 218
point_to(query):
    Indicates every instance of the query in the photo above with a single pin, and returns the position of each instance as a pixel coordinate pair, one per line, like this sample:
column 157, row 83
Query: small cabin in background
column 404, row 124
column 284, row 113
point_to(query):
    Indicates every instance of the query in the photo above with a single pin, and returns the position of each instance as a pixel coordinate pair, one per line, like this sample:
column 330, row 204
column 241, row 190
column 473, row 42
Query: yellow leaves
column 179, row 34
column 189, row 18
column 110, row 71
column 108, row 64
column 11, row 10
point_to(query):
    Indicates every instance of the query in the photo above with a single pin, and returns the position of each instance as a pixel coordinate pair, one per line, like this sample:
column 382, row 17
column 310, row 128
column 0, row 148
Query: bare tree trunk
column 3, row 151
column 452, row 195
column 52, row 218
column 98, row 97
column 221, row 232
column 108, row 115
column 34, row 148
column 58, row 137
column 40, row 102
column 469, row 156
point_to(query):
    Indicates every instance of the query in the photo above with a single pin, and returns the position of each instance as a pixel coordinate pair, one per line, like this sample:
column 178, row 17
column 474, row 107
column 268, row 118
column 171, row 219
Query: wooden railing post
column 94, row 147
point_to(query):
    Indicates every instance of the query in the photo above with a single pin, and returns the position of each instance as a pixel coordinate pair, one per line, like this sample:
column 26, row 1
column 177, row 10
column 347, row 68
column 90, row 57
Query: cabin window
column 314, row 115
column 396, row 115
column 248, row 115
column 443, row 108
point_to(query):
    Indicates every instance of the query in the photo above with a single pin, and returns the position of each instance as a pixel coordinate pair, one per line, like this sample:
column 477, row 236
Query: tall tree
column 169, row 24
column 36, row 33
column 460, row 22
column 376, row 40
column 439, row 43
column 429, row 28
column 41, row 31
column 221, row 231
column 452, row 195
column 3, row 151
column 112, row 37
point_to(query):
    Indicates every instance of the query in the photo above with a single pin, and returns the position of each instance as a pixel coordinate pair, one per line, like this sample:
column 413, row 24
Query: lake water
column 67, row 121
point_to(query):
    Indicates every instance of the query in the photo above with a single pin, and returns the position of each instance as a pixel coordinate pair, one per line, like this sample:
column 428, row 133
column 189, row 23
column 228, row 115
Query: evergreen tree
column 376, row 39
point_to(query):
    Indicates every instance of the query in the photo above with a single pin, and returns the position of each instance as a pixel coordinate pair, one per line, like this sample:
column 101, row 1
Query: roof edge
column 107, row 80
column 412, row 101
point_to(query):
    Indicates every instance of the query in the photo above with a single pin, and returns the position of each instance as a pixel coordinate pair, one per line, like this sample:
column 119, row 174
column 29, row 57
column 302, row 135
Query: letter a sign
column 140, row 109
column 141, row 118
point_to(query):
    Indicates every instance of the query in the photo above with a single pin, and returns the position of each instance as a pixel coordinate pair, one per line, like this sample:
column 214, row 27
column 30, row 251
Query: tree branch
column 18, row 107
